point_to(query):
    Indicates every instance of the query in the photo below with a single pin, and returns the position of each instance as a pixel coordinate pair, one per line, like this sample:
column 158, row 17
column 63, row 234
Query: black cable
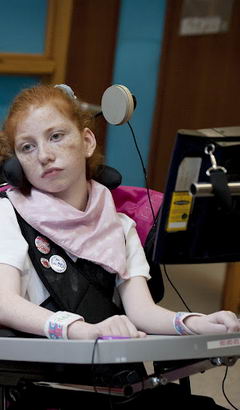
column 93, row 375
column 144, row 172
column 183, row 301
column 223, row 389
column 110, row 395
column 93, row 363
column 150, row 202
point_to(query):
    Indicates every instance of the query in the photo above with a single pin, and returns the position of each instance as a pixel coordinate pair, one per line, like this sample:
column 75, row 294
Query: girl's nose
column 45, row 153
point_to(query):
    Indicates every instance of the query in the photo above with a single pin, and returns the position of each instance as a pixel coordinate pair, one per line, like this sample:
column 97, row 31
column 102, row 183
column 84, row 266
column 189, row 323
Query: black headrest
column 108, row 176
column 11, row 172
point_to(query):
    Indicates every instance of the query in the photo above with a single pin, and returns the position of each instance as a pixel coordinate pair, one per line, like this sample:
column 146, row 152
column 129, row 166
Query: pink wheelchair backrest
column 134, row 202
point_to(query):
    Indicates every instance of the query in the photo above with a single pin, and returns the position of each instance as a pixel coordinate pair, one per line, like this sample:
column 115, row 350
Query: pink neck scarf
column 95, row 234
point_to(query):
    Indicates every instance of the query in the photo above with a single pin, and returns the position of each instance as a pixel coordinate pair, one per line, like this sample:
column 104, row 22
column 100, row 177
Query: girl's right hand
column 118, row 326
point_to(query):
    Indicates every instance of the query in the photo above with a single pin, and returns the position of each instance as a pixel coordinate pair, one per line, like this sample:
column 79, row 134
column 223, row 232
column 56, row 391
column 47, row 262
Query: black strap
column 219, row 182
column 3, row 194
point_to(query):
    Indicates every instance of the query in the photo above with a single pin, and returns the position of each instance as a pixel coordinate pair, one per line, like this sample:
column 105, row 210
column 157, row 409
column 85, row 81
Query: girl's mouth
column 51, row 172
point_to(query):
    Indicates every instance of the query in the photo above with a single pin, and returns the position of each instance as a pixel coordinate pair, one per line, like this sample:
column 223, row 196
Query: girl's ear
column 89, row 141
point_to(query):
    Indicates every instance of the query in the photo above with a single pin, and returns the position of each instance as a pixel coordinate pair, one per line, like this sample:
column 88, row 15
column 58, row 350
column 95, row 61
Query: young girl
column 63, row 246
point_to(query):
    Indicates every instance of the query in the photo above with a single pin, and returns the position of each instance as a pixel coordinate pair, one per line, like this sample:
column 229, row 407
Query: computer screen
column 194, row 225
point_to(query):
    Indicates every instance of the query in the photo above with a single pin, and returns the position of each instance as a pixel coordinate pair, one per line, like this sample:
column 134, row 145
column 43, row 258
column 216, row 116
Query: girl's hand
column 218, row 322
column 118, row 326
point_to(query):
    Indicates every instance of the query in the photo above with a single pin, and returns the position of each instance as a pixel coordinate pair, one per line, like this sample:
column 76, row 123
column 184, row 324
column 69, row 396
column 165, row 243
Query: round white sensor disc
column 117, row 104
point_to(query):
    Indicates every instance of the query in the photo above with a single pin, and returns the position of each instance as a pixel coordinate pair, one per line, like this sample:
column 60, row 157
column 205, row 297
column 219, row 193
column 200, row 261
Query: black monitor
column 194, row 223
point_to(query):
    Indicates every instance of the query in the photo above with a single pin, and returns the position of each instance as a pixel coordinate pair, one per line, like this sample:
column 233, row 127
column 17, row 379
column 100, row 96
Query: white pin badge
column 57, row 263
column 45, row 262
column 42, row 244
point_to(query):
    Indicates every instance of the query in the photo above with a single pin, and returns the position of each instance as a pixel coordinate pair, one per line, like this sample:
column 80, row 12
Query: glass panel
column 23, row 26
column 9, row 87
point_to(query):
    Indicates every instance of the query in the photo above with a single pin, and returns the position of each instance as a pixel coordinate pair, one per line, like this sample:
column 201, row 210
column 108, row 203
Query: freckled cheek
column 73, row 151
column 28, row 165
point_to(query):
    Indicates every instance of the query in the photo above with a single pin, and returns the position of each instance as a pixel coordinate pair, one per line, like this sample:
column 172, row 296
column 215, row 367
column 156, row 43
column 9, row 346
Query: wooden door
column 91, row 51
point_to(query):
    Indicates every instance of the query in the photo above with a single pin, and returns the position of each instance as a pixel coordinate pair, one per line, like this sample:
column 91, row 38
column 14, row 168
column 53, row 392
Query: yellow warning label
column 179, row 212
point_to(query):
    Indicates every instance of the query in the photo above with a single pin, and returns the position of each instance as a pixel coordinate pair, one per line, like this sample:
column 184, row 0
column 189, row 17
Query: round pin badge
column 42, row 244
column 57, row 263
column 45, row 262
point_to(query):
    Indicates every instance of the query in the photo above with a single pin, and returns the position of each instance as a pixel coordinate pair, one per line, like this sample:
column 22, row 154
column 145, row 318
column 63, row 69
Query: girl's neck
column 77, row 198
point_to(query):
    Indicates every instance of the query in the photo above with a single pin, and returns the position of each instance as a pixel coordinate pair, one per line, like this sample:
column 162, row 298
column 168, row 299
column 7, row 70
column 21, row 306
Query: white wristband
column 56, row 326
column 179, row 325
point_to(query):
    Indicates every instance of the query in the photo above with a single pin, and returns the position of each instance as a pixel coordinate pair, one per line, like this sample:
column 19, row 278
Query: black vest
column 83, row 287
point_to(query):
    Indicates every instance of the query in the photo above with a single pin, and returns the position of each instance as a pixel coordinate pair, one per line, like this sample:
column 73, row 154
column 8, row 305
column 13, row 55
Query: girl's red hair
column 36, row 97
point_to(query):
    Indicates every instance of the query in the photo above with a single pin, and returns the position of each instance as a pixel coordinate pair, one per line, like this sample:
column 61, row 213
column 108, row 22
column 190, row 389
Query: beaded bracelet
column 56, row 326
column 179, row 325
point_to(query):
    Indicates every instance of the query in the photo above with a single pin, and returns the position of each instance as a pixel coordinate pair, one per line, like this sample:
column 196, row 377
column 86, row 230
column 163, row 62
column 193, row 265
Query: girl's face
column 52, row 151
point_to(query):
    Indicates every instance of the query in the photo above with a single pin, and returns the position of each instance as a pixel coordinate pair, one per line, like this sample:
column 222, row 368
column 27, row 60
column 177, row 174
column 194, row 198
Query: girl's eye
column 27, row 148
column 56, row 137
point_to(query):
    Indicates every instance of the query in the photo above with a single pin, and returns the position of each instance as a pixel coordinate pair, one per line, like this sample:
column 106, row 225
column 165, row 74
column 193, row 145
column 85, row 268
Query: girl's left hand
column 218, row 322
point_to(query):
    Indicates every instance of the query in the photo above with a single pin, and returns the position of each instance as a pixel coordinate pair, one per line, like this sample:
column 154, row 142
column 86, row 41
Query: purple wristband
column 113, row 337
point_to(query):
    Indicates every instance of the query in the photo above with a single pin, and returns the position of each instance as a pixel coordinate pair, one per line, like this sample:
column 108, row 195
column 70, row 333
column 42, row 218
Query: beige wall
column 200, row 286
